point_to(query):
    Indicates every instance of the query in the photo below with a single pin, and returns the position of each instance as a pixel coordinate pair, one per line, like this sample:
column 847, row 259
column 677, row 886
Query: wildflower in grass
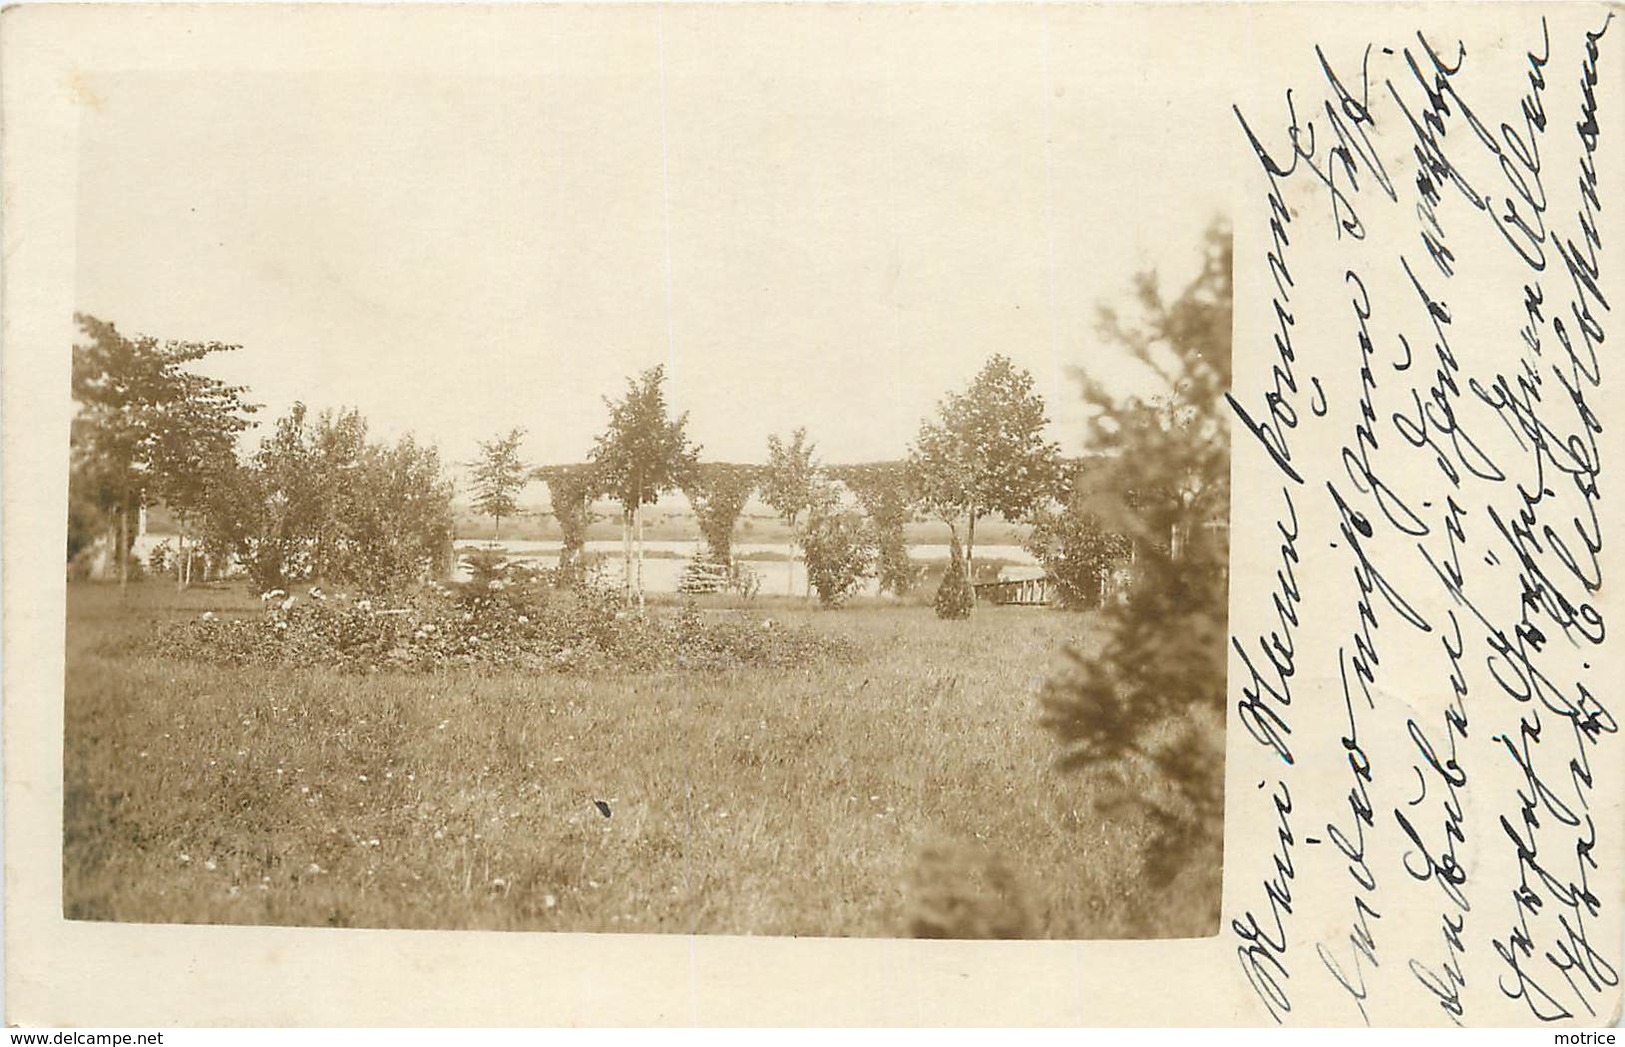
column 363, row 605
column 210, row 865
column 548, row 901
column 361, row 777
column 316, row 593
column 185, row 859
column 313, row 869
column 287, row 605
column 207, row 616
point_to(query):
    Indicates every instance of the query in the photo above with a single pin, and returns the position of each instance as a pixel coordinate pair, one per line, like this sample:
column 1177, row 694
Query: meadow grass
column 818, row 800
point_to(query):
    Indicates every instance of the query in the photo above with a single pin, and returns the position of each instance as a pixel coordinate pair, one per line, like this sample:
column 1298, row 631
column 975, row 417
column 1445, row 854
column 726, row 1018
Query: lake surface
column 664, row 561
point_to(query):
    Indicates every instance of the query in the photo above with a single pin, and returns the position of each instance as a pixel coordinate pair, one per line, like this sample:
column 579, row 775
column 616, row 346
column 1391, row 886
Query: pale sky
column 819, row 216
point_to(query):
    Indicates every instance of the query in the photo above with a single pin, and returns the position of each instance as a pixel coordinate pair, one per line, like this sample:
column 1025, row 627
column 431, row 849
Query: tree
column 882, row 489
column 1070, row 537
column 318, row 500
column 397, row 531
column 499, row 475
column 789, row 486
column 273, row 511
column 642, row 454
column 985, row 452
column 571, row 490
column 839, row 548
column 147, row 426
column 955, row 597
column 1148, row 707
column 718, row 492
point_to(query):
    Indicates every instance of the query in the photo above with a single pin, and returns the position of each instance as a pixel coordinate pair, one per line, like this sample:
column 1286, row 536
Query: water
column 664, row 561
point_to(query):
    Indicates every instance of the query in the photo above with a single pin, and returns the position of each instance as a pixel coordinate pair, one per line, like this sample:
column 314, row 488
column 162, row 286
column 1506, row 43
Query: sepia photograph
column 693, row 488
column 810, row 514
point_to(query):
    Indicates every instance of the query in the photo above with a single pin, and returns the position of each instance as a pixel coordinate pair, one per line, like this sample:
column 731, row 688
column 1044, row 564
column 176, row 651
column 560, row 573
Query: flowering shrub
column 510, row 626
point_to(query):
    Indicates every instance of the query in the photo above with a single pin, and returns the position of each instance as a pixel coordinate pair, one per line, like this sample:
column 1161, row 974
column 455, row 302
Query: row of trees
column 983, row 452
column 316, row 500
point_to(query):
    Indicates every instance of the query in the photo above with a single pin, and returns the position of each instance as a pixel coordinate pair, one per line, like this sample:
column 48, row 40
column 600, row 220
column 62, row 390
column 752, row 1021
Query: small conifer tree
column 954, row 595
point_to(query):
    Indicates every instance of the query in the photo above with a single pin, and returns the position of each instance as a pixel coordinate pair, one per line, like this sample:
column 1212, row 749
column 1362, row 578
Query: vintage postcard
column 787, row 514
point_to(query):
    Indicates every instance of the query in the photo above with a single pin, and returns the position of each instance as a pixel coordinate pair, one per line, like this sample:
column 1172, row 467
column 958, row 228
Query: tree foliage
column 791, row 483
column 718, row 492
column 317, row 500
column 792, row 475
column 1150, row 703
column 838, row 545
column 1070, row 537
column 499, row 475
column 571, row 490
column 955, row 598
column 643, row 453
column 882, row 489
column 985, row 451
column 148, row 428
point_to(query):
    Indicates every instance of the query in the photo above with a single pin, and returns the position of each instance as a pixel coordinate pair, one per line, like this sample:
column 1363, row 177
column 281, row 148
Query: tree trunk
column 180, row 564
column 626, row 555
column 790, row 561
column 124, row 544
column 637, row 519
column 970, row 551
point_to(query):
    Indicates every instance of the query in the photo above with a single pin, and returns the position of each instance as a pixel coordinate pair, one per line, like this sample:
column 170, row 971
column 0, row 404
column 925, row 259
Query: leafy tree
column 571, row 490
column 277, row 517
column 718, row 492
column 1148, row 708
column 790, row 485
column 1070, row 538
column 147, row 427
column 643, row 454
column 955, row 597
column 318, row 500
column 838, row 545
column 882, row 489
column 397, row 532
column 985, row 452
column 499, row 475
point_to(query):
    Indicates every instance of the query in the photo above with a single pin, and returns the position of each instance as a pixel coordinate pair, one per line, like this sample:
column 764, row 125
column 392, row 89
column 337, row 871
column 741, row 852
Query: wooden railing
column 1032, row 592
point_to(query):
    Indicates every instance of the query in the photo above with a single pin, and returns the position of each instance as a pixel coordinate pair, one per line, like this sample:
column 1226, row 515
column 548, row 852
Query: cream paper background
column 82, row 974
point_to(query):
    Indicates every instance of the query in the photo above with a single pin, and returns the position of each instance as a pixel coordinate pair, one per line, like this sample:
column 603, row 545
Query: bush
column 505, row 627
column 1078, row 553
column 840, row 554
column 955, row 596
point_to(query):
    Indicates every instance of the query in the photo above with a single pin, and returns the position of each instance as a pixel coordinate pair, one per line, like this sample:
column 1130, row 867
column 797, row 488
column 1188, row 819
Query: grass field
column 840, row 799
